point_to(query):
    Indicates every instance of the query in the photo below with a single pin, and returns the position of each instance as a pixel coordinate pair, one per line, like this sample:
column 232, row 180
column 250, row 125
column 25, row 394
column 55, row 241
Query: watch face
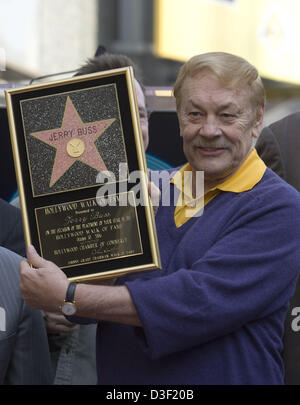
column 68, row 308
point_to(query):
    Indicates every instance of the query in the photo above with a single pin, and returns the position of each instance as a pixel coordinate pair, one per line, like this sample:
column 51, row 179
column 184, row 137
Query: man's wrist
column 69, row 308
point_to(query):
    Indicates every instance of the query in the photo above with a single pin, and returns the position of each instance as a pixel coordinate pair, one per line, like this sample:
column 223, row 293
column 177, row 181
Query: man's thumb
column 34, row 258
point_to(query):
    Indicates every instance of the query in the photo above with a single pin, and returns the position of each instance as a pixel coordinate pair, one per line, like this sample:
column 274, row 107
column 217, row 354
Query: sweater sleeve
column 247, row 275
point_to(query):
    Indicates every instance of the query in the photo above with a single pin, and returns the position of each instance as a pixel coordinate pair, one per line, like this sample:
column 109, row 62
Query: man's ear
column 179, row 121
column 258, row 123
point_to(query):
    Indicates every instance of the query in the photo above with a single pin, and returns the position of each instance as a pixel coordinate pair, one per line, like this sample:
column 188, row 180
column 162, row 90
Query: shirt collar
column 244, row 179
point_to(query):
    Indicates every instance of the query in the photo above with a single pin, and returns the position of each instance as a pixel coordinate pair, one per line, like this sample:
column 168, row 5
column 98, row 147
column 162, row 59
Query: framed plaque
column 82, row 176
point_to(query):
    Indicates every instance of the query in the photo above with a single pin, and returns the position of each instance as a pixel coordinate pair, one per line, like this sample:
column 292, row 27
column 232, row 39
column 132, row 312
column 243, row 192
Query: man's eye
column 195, row 114
column 226, row 115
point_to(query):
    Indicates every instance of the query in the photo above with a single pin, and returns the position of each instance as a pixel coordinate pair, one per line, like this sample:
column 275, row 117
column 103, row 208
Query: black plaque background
column 94, row 222
column 120, row 80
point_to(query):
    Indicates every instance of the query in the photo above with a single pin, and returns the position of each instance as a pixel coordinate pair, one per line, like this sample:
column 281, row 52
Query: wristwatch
column 69, row 308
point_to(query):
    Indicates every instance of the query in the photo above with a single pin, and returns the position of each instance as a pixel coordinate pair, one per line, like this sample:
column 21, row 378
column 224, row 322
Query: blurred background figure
column 107, row 61
column 279, row 147
column 73, row 347
column 24, row 352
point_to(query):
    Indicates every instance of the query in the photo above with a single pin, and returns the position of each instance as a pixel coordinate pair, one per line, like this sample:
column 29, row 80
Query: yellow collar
column 244, row 179
column 247, row 176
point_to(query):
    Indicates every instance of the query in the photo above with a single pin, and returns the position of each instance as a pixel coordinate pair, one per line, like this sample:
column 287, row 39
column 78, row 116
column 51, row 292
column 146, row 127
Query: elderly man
column 215, row 312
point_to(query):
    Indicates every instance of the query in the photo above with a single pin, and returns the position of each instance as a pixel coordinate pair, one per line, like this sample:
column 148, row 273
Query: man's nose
column 210, row 127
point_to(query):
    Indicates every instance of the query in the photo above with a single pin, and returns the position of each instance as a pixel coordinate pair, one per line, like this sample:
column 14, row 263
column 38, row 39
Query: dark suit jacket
column 11, row 228
column 24, row 353
column 279, row 147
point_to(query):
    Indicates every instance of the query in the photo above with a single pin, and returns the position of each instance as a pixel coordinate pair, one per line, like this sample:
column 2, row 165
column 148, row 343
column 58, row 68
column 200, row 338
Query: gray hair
column 233, row 71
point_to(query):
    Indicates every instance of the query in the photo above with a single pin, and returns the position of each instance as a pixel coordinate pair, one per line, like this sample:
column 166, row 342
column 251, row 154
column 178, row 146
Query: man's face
column 143, row 113
column 218, row 126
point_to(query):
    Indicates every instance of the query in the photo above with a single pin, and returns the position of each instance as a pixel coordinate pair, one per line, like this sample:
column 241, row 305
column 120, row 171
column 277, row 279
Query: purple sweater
column 215, row 312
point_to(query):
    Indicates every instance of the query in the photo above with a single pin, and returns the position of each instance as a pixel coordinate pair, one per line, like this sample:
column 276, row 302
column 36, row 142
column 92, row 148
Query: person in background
column 108, row 61
column 24, row 350
column 278, row 146
column 214, row 313
column 73, row 347
column 12, row 235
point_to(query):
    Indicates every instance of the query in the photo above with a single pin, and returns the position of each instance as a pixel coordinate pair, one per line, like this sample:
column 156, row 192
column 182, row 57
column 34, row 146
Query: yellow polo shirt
column 244, row 179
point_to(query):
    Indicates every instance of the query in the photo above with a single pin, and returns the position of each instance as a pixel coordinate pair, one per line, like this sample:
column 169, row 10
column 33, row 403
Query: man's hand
column 57, row 323
column 44, row 285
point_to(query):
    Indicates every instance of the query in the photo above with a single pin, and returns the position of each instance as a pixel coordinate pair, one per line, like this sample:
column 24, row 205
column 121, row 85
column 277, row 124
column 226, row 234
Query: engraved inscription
column 82, row 232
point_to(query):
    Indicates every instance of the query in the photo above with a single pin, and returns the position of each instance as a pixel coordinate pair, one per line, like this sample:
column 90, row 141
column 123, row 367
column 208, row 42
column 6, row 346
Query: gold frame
column 14, row 97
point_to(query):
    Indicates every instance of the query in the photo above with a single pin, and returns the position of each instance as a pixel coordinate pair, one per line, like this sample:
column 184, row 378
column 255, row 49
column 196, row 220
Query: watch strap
column 70, row 294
